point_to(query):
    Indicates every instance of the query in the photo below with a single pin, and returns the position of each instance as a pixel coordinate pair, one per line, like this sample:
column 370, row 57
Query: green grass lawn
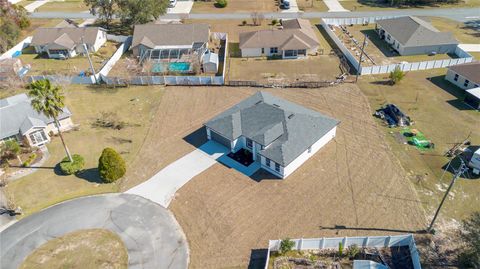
column 462, row 32
column 94, row 248
column 436, row 107
column 133, row 105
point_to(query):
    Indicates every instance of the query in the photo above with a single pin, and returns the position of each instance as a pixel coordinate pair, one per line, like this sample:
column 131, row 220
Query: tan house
column 295, row 39
column 19, row 121
column 68, row 42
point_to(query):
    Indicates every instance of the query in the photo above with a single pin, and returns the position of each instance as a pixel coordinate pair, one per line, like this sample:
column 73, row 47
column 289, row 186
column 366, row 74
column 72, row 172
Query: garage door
column 220, row 139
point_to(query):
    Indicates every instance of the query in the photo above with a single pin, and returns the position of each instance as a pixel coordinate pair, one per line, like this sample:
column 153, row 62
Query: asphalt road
column 458, row 14
column 151, row 234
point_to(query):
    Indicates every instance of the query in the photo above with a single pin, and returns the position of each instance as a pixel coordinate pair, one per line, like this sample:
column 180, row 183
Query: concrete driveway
column 161, row 188
column 182, row 7
column 151, row 234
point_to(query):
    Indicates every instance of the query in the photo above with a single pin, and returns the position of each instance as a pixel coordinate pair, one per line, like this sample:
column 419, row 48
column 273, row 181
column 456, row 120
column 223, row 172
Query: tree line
column 13, row 19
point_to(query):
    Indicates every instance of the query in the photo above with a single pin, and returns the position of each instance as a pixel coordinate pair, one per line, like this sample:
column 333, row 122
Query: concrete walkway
column 334, row 6
column 293, row 7
column 182, row 7
column 470, row 47
column 31, row 7
column 162, row 186
column 151, row 234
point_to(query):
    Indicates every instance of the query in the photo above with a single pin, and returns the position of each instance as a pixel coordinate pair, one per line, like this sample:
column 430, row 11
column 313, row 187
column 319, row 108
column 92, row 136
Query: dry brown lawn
column 354, row 181
column 236, row 6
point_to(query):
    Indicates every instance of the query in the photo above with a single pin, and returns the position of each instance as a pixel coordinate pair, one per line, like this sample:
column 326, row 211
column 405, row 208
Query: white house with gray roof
column 413, row 36
column 280, row 135
column 19, row 121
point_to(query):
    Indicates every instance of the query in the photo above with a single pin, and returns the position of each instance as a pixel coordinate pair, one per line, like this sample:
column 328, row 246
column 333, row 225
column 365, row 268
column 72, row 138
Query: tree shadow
column 383, row 46
column 472, row 25
column 197, row 138
column 258, row 258
column 382, row 82
column 453, row 90
column 91, row 175
column 343, row 227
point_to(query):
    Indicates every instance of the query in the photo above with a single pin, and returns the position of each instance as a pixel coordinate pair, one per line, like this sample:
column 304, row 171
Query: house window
column 38, row 137
column 273, row 50
column 263, row 50
column 291, row 53
column 64, row 52
column 309, row 149
column 267, row 162
column 398, row 45
column 277, row 167
column 249, row 143
column 388, row 37
column 466, row 83
column 456, row 77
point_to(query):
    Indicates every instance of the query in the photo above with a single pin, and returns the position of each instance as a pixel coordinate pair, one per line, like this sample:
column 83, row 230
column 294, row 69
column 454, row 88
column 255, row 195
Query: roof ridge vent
column 276, row 105
column 291, row 116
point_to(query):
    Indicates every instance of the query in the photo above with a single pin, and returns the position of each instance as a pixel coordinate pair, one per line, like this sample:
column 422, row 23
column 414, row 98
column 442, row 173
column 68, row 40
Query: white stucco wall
column 238, row 144
column 295, row 164
column 450, row 76
column 101, row 39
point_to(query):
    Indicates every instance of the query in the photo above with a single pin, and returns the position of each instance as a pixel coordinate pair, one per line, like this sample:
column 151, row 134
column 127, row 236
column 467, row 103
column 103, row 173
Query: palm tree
column 48, row 100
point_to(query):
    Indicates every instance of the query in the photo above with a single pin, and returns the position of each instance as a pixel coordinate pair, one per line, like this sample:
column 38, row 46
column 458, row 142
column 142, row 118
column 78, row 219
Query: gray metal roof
column 17, row 116
column 284, row 128
column 412, row 31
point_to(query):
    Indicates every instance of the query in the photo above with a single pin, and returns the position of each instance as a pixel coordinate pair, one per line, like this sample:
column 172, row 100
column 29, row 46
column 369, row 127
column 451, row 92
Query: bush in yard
column 274, row 22
column 396, row 75
column 286, row 245
column 30, row 159
column 11, row 148
column 111, row 165
column 221, row 3
column 469, row 257
column 69, row 168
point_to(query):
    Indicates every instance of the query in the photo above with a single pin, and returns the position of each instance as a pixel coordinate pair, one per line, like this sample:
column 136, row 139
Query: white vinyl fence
column 116, row 56
column 19, row 47
column 363, row 241
column 464, row 57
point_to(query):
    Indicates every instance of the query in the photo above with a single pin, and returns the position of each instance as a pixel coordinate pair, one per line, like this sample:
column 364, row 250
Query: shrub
column 111, row 165
column 340, row 249
column 396, row 75
column 69, row 168
column 274, row 22
column 353, row 251
column 286, row 245
column 30, row 159
column 244, row 22
column 10, row 148
column 221, row 3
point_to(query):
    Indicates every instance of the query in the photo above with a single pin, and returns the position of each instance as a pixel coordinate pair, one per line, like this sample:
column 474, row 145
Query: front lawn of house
column 40, row 65
column 133, row 107
column 63, row 6
column 235, row 6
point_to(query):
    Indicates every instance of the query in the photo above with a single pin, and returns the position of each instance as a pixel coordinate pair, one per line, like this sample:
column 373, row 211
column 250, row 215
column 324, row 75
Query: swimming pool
column 181, row 67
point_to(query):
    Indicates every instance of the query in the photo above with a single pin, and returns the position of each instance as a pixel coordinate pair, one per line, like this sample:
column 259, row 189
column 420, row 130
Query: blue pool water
column 174, row 67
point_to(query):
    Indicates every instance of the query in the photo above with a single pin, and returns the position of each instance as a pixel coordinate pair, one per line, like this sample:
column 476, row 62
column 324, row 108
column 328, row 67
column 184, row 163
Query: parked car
column 285, row 4
column 172, row 3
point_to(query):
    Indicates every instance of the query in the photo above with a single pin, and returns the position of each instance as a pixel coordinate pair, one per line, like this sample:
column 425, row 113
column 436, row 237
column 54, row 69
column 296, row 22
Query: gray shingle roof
column 469, row 70
column 17, row 116
column 412, row 31
column 152, row 35
column 47, row 36
column 285, row 128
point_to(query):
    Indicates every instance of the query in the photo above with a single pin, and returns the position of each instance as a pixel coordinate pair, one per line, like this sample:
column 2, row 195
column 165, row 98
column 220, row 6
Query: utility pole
column 361, row 56
column 89, row 60
column 460, row 171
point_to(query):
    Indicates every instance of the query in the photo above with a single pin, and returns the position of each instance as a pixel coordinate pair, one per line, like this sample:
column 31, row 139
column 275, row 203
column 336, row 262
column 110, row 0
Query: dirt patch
column 94, row 248
column 353, row 184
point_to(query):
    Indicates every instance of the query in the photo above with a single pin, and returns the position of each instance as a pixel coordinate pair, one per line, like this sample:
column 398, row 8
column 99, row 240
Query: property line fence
column 362, row 242
column 175, row 80
column 464, row 57
column 17, row 48
column 303, row 84
column 116, row 56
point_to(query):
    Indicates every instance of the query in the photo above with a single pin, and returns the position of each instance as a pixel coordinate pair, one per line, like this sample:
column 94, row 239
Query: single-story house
column 295, row 39
column 472, row 98
column 279, row 134
column 169, row 41
column 19, row 121
column 68, row 42
column 465, row 76
column 413, row 36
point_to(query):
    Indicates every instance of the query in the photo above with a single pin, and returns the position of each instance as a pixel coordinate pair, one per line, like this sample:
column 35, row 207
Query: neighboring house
column 68, row 42
column 465, row 76
column 412, row 36
column 296, row 39
column 67, row 23
column 279, row 134
column 472, row 98
column 19, row 121
column 169, row 41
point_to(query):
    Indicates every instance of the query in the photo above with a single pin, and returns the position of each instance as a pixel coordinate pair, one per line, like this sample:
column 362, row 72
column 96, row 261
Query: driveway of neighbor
column 162, row 186
column 36, row 4
column 151, row 234
column 334, row 6
column 470, row 47
column 182, row 7
column 293, row 7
